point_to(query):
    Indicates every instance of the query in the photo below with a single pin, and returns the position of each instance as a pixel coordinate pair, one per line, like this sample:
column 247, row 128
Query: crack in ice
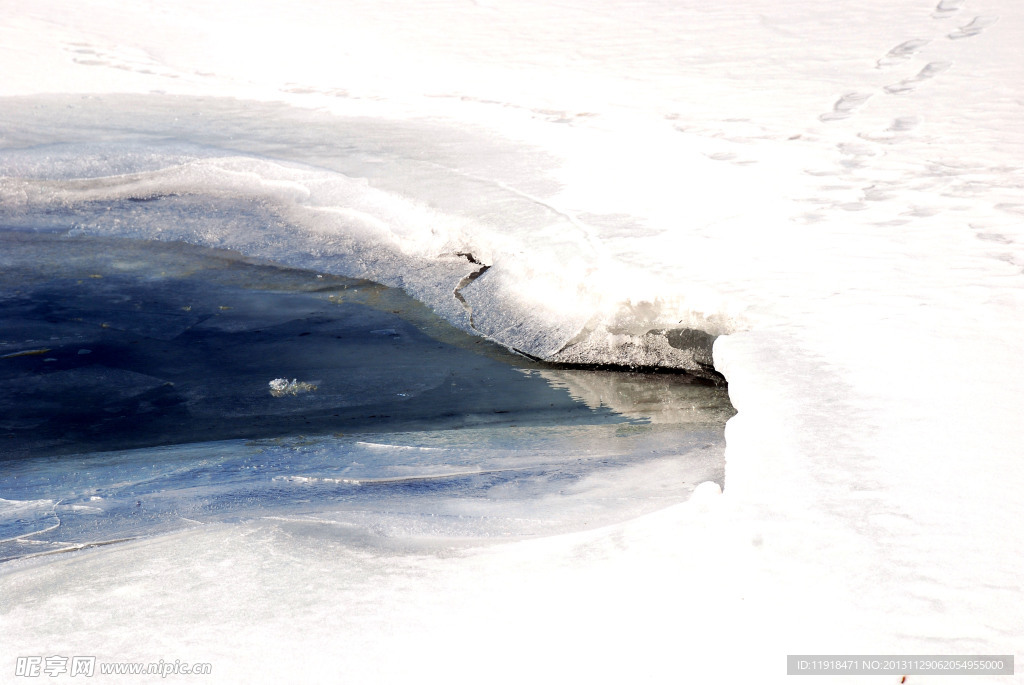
column 466, row 280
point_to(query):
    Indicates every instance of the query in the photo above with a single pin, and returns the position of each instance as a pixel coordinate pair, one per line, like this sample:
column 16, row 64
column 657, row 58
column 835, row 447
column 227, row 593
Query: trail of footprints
column 849, row 103
column 996, row 231
column 125, row 59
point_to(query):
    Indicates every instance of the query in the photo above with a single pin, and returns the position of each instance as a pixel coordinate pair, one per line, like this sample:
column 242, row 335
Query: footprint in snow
column 977, row 25
column 947, row 8
column 930, row 71
column 901, row 53
column 845, row 106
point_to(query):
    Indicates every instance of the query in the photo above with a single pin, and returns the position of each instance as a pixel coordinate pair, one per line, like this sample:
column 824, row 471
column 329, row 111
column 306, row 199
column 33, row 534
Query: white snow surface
column 835, row 187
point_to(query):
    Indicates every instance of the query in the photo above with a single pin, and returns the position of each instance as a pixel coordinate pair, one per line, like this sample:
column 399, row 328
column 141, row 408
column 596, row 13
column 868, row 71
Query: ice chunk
column 279, row 387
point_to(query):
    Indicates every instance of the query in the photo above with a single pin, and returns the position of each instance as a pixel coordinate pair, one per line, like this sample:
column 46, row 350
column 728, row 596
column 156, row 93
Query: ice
column 23, row 518
column 547, row 287
column 279, row 387
column 428, row 489
column 407, row 428
column 834, row 192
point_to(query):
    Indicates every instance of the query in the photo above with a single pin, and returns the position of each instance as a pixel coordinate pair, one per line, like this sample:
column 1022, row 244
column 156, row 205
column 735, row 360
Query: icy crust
column 541, row 290
column 23, row 518
column 679, row 348
column 424, row 488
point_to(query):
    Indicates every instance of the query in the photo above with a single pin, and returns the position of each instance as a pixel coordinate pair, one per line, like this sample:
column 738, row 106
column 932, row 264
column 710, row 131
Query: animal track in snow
column 845, row 106
column 901, row 53
column 977, row 25
column 125, row 60
column 930, row 71
column 903, row 124
column 947, row 8
column 898, row 130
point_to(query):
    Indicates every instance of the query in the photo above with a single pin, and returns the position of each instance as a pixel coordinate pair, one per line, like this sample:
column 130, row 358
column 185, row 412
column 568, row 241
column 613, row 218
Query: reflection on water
column 657, row 398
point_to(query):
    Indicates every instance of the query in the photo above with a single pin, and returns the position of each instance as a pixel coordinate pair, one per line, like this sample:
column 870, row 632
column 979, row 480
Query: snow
column 836, row 189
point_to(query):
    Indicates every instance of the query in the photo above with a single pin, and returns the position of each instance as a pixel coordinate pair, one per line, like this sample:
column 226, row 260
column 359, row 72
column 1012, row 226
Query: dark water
column 108, row 344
